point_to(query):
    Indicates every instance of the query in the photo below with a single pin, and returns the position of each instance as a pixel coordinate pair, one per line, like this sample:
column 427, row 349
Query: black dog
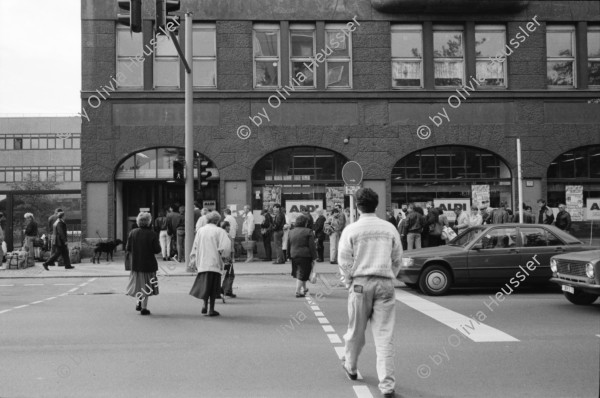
column 106, row 247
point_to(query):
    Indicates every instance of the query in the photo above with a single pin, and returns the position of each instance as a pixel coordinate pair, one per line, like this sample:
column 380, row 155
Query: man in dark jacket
column 278, row 223
column 414, row 227
column 319, row 229
column 59, row 242
column 172, row 221
column 266, row 230
column 306, row 213
column 51, row 220
column 563, row 218
column 180, row 231
column 500, row 215
column 545, row 215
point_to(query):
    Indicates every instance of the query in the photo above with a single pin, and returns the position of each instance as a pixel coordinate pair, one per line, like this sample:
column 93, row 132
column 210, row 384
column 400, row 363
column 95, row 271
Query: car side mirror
column 477, row 246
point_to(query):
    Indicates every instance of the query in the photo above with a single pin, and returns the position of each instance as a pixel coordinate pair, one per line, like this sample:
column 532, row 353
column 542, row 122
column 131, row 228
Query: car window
column 499, row 238
column 553, row 240
column 537, row 237
column 467, row 236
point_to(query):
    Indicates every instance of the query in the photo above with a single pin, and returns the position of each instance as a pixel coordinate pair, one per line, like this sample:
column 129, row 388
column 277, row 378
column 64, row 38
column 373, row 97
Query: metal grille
column 571, row 268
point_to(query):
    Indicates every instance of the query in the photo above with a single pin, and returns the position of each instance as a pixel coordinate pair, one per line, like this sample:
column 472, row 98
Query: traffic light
column 204, row 173
column 133, row 18
column 178, row 167
column 163, row 8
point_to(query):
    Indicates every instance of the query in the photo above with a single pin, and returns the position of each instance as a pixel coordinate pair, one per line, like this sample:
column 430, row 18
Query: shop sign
column 450, row 205
column 351, row 189
column 293, row 206
column 574, row 202
column 209, row 204
column 593, row 208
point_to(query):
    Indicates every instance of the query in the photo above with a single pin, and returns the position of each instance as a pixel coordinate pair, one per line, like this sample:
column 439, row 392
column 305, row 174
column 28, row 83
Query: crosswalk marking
column 362, row 392
column 474, row 330
column 323, row 320
column 334, row 338
column 328, row 328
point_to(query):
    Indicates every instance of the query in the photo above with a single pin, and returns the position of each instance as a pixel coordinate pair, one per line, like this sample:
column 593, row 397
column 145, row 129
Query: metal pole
column 352, row 211
column 519, row 181
column 189, row 145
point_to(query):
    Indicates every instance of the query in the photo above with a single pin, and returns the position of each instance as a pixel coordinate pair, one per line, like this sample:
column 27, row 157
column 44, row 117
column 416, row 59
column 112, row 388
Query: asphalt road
column 88, row 341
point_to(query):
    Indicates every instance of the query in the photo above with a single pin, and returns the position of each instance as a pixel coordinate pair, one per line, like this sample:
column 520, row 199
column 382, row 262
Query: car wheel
column 580, row 298
column 435, row 280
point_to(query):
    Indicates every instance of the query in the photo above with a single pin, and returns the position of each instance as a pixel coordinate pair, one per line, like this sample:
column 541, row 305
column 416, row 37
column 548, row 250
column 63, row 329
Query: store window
column 338, row 65
column 205, row 55
column 450, row 172
column 448, row 56
column 129, row 46
column 266, row 56
column 309, row 175
column 166, row 64
column 490, row 40
column 302, row 53
column 560, row 47
column 407, row 56
column 593, row 42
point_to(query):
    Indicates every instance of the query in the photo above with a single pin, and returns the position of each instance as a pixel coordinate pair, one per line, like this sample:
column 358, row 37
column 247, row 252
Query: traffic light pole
column 189, row 143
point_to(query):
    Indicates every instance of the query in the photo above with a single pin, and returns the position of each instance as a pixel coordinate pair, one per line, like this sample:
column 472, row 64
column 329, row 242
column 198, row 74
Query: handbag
column 128, row 261
column 313, row 274
column 448, row 234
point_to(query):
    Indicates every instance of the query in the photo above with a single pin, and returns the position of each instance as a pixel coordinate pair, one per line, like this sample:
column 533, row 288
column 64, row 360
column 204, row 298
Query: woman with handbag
column 227, row 287
column 142, row 247
column 303, row 252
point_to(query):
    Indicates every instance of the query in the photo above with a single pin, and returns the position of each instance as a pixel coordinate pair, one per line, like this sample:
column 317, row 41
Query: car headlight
column 553, row 265
column 407, row 261
column 589, row 270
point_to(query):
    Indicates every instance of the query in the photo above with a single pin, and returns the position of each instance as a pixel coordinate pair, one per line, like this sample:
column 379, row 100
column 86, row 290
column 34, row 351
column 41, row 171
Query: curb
column 127, row 275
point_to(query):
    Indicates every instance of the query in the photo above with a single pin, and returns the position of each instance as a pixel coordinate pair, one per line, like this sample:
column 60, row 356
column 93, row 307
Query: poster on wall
column 449, row 205
column 574, row 202
column 271, row 195
column 209, row 204
column 293, row 206
column 593, row 208
column 333, row 197
column 480, row 194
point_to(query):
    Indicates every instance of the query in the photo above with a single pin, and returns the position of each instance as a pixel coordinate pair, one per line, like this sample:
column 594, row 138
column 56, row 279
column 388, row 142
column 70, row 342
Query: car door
column 539, row 245
column 495, row 256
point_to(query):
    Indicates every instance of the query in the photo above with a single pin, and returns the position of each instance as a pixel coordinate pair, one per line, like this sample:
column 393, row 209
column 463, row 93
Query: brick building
column 386, row 67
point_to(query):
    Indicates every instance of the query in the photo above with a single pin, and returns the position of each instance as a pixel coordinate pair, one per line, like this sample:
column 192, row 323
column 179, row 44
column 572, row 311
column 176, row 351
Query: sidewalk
column 116, row 268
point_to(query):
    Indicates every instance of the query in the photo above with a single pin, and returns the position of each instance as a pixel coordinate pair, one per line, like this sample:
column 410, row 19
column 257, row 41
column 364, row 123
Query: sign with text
column 293, row 206
column 209, row 204
column 574, row 201
column 593, row 208
column 351, row 189
column 449, row 205
column 480, row 194
column 352, row 173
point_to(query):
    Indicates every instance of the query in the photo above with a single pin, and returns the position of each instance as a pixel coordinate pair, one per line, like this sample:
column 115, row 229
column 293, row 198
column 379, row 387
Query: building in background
column 40, row 170
column 382, row 70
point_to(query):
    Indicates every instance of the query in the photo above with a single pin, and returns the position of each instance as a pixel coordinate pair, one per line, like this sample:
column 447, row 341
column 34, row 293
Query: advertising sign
column 593, row 208
column 574, row 202
column 293, row 206
column 480, row 194
column 449, row 205
column 334, row 196
column 210, row 204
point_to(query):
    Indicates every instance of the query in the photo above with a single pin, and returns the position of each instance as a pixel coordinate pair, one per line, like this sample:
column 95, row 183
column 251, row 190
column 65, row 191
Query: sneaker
column 350, row 375
column 298, row 295
column 231, row 295
column 45, row 266
column 213, row 313
column 145, row 311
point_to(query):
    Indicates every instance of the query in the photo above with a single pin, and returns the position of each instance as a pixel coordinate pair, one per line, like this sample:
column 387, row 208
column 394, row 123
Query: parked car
column 579, row 276
column 488, row 255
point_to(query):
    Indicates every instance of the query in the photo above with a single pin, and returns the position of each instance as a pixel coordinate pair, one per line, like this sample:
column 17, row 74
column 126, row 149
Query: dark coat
column 319, row 227
column 59, row 233
column 31, row 229
column 301, row 243
column 143, row 245
column 563, row 220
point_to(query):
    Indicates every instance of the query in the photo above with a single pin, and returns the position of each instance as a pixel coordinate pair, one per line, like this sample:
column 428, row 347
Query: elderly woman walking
column 142, row 246
column 31, row 234
column 211, row 244
column 303, row 252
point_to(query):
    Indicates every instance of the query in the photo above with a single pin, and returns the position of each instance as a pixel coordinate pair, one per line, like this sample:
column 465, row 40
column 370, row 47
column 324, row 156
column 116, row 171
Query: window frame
column 138, row 65
column 170, row 58
column 593, row 28
column 495, row 28
column 208, row 27
column 450, row 28
column 563, row 28
column 338, row 27
column 310, row 60
column 266, row 27
column 407, row 28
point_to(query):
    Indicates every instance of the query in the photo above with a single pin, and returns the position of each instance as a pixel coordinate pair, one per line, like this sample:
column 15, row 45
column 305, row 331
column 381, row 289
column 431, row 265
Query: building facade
column 40, row 170
column 429, row 97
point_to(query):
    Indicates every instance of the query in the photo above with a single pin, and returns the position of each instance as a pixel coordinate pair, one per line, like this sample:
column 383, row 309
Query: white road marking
column 6, row 285
column 21, row 306
column 83, row 284
column 474, row 330
column 72, row 290
column 51, row 298
column 37, row 302
column 323, row 320
column 312, row 307
column 64, row 294
column 319, row 313
column 340, row 352
column 328, row 328
column 334, row 338
column 3, row 311
column 64, row 284
column 91, row 280
column 362, row 392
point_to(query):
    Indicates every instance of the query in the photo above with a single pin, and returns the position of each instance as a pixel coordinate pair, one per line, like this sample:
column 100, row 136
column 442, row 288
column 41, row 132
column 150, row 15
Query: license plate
column 569, row 289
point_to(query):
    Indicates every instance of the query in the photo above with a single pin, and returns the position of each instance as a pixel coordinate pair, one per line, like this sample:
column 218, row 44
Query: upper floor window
column 407, row 56
column 593, row 40
column 338, row 64
column 302, row 52
column 448, row 56
column 490, row 41
column 129, row 46
column 166, row 63
column 266, row 55
column 205, row 55
column 560, row 47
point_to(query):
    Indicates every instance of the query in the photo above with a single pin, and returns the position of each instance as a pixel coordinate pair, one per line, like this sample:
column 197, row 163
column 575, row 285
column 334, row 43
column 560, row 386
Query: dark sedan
column 493, row 254
column 579, row 276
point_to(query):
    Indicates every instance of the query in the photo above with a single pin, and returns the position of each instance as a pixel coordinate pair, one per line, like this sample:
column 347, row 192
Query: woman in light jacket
column 210, row 245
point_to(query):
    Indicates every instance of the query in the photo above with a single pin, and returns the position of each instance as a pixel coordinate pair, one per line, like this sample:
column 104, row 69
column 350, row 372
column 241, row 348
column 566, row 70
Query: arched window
column 579, row 167
column 449, row 172
column 309, row 174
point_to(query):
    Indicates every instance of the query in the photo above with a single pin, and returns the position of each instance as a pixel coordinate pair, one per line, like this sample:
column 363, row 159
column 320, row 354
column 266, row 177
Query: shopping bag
column 313, row 274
